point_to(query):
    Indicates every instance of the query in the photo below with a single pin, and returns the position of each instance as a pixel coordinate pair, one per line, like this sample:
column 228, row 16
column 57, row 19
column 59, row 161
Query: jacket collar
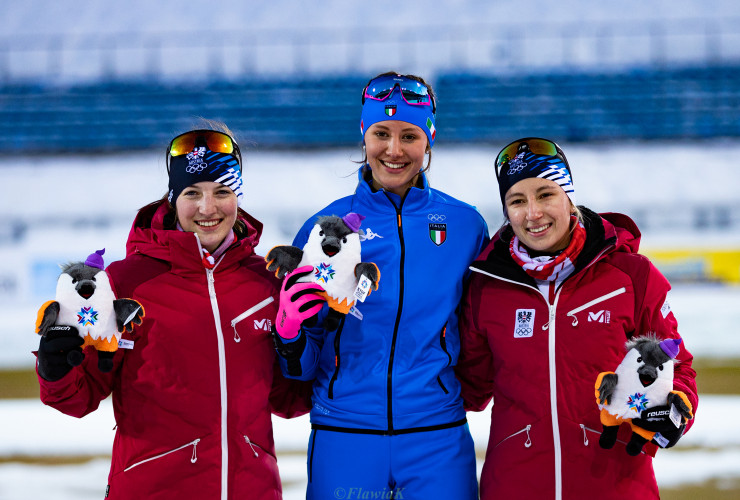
column 605, row 233
column 416, row 197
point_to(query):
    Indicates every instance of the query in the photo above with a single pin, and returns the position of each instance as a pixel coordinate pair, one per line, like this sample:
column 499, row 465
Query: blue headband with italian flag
column 396, row 108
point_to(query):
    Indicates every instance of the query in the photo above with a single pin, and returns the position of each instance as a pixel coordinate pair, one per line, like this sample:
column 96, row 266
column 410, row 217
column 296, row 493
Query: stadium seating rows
column 668, row 103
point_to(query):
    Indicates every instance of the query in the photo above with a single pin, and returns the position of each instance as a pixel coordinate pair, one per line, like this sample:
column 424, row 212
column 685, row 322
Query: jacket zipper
column 248, row 313
column 210, row 278
column 193, row 458
column 392, row 355
column 336, row 358
column 443, row 344
column 527, row 443
column 554, row 399
column 608, row 296
column 252, row 445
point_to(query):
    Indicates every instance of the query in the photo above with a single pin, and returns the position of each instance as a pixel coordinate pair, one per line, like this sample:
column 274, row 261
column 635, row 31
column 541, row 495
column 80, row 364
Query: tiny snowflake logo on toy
column 637, row 402
column 87, row 316
column 323, row 273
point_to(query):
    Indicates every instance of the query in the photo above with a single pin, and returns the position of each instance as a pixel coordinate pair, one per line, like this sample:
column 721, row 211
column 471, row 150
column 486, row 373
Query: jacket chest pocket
column 251, row 323
column 597, row 310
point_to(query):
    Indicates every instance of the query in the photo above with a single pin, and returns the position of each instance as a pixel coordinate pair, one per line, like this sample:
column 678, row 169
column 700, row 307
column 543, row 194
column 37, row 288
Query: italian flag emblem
column 391, row 109
column 431, row 128
column 438, row 233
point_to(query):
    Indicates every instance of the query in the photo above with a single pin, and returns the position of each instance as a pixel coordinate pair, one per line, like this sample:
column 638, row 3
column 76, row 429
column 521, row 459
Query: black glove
column 60, row 348
column 657, row 419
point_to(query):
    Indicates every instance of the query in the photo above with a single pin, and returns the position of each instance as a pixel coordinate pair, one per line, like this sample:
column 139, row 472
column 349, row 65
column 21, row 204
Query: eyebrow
column 406, row 129
column 539, row 190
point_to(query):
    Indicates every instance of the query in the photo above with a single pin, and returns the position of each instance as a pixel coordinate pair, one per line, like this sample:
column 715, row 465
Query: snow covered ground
column 45, row 432
column 60, row 209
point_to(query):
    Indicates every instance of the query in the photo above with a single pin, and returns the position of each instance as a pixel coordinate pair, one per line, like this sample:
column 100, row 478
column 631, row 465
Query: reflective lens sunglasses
column 218, row 142
column 412, row 91
column 534, row 145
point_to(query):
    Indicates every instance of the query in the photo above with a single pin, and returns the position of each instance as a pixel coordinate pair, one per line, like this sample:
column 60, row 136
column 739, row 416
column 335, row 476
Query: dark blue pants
column 427, row 465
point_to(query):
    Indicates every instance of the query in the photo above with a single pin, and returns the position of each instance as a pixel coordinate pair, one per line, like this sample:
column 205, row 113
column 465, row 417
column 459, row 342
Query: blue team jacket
column 392, row 371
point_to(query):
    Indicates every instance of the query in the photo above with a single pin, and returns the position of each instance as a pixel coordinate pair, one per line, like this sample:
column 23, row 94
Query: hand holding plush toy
column 641, row 393
column 333, row 250
column 84, row 313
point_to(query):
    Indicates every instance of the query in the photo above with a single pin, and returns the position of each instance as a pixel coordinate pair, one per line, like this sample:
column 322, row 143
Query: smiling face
column 539, row 212
column 395, row 152
column 208, row 209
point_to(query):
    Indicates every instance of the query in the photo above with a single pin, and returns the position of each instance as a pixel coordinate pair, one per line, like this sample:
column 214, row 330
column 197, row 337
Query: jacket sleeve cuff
column 290, row 350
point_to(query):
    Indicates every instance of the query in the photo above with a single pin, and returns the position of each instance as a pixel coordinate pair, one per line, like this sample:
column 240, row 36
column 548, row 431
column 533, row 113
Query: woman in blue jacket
column 387, row 417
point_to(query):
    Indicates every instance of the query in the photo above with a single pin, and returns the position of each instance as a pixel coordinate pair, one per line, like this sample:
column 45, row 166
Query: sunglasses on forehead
column 412, row 91
column 215, row 141
column 534, row 145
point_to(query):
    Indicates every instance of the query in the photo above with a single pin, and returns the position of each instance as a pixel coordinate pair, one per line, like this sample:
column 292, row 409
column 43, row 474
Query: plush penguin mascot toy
column 333, row 249
column 84, row 299
column 643, row 380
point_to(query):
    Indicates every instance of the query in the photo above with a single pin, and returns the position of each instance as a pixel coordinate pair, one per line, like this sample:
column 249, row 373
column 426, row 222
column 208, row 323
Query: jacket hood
column 148, row 236
column 624, row 228
column 605, row 233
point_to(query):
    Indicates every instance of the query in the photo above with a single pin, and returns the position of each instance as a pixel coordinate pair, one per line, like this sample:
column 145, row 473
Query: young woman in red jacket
column 194, row 385
column 551, row 303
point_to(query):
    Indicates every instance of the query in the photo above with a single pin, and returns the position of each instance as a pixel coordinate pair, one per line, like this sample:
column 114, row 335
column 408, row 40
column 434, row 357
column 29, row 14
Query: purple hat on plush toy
column 353, row 221
column 670, row 347
column 96, row 259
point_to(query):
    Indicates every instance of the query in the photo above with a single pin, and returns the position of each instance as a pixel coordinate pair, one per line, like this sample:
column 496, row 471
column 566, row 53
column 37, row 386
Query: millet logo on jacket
column 262, row 324
column 602, row 316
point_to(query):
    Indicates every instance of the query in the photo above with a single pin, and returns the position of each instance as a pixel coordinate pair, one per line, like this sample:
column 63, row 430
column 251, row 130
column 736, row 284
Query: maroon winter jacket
column 541, row 372
column 193, row 395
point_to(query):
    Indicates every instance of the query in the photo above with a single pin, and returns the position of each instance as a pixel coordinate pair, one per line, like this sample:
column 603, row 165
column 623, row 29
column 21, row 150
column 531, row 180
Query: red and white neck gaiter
column 551, row 267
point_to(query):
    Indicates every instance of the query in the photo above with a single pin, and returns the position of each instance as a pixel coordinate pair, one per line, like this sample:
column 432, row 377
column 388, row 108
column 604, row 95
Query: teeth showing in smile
column 207, row 223
column 393, row 165
column 538, row 229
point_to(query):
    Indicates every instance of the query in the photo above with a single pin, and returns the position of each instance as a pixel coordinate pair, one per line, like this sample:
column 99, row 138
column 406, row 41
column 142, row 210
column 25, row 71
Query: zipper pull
column 194, row 458
column 585, row 437
column 528, row 442
column 237, row 338
column 551, row 317
column 246, row 438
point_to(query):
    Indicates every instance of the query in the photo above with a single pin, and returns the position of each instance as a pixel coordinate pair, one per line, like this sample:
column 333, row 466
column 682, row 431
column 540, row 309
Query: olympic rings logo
column 436, row 217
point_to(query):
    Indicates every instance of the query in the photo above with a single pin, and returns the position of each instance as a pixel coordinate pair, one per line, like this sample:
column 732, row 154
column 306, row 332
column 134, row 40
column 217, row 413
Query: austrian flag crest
column 438, row 233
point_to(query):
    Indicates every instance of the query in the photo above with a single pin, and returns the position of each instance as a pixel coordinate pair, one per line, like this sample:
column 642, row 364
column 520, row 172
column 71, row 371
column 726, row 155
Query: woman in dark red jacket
column 194, row 386
column 550, row 305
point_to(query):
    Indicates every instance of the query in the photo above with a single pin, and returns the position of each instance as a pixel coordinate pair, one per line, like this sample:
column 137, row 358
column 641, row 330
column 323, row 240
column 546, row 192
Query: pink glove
column 298, row 302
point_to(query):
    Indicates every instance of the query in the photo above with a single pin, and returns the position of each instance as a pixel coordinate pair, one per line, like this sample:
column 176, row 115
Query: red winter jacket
column 192, row 396
column 545, row 427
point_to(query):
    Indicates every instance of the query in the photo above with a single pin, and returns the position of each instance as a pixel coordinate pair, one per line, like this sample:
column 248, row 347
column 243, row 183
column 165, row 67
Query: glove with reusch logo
column 299, row 301
column 60, row 349
column 668, row 421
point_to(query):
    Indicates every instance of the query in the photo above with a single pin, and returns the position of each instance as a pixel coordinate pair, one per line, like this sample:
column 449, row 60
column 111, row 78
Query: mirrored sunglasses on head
column 413, row 91
column 213, row 140
column 534, row 145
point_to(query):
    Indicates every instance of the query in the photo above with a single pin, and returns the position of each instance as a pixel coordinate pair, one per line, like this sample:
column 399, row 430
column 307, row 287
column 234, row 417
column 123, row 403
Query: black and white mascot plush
column 333, row 249
column 642, row 382
column 85, row 300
